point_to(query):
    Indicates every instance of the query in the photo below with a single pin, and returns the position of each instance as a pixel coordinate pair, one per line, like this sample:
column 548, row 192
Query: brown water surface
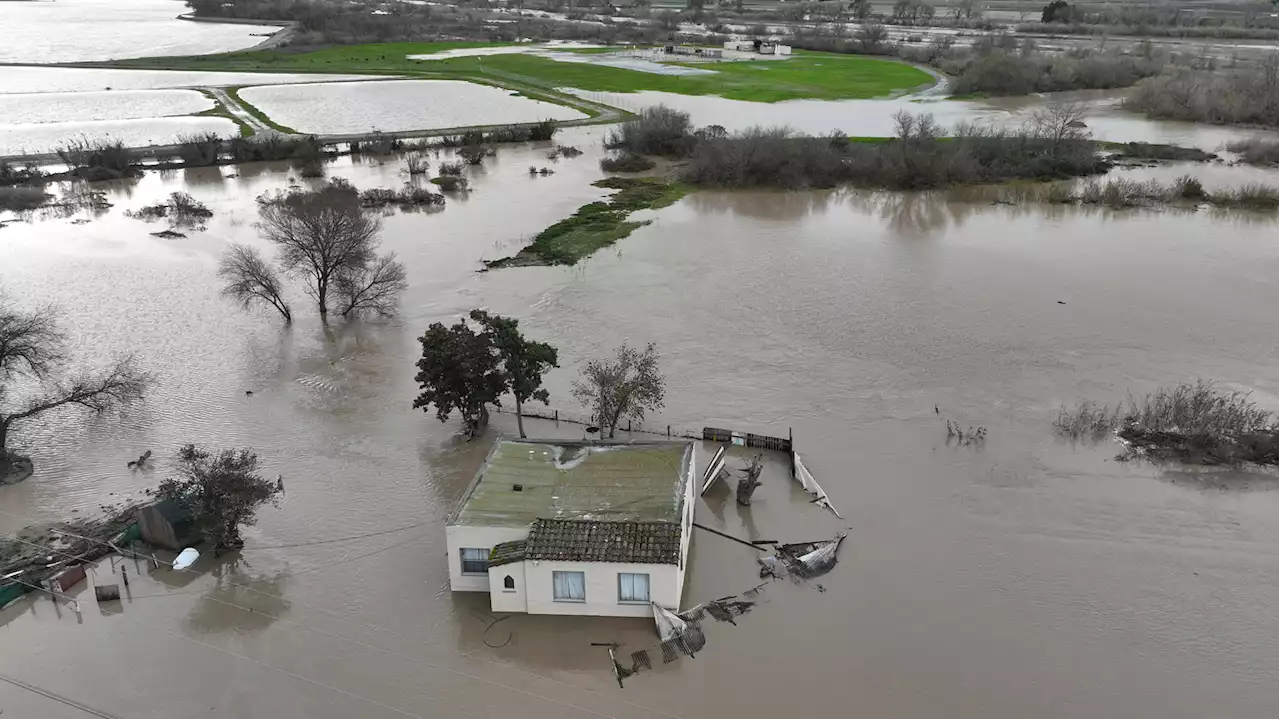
column 1028, row 577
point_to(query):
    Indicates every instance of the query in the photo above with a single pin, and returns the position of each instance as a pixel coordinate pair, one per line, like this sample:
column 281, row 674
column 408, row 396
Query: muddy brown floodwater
column 1028, row 577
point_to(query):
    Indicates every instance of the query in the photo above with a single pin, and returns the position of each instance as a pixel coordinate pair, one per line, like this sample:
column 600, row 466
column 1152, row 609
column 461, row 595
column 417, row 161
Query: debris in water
column 186, row 558
column 750, row 480
column 715, row 470
column 804, row 559
column 168, row 235
column 810, row 484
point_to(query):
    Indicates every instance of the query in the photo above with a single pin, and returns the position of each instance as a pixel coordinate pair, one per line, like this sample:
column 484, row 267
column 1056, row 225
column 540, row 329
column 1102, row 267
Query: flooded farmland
column 1025, row 577
column 874, row 118
column 42, row 137
column 397, row 105
column 42, row 107
column 110, row 29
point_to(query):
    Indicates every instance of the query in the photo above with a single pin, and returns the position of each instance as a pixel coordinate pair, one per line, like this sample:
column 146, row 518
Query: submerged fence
column 628, row 426
column 713, row 434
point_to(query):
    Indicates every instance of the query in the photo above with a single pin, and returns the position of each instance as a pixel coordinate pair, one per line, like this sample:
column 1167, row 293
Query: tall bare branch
column 371, row 289
column 320, row 234
column 30, row 342
column 252, row 280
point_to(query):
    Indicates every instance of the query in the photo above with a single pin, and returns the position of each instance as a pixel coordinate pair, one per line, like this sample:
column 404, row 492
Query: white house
column 556, row 527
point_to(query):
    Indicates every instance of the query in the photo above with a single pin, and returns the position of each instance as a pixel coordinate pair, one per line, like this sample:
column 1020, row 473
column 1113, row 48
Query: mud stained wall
column 460, row 536
column 602, row 588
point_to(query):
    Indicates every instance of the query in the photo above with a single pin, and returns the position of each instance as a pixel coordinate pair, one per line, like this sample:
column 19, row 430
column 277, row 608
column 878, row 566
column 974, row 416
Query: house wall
column 602, row 588
column 502, row 599
column 459, row 536
column 686, row 523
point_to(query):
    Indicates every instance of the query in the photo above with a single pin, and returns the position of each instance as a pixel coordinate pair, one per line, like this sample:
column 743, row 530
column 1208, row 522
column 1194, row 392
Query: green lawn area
column 810, row 76
column 596, row 225
column 820, row 76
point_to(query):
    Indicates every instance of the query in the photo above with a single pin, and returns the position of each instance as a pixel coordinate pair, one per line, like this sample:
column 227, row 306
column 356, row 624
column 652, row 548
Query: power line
column 57, row 697
column 375, row 627
column 389, row 651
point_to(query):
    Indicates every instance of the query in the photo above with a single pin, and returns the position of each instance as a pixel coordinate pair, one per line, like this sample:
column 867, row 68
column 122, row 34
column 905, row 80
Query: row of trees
column 468, row 366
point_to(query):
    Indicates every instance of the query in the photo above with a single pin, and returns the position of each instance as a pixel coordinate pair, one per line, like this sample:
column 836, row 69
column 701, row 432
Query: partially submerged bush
column 13, row 175
column 450, row 183
column 657, row 131
column 563, row 151
column 405, row 196
column 1264, row 153
column 626, row 162
column 1189, row 422
column 376, row 143
column 1009, row 72
column 199, row 150
column 917, row 158
column 451, row 169
column 415, row 164
column 179, row 206
column 1088, row 420
column 263, row 148
column 1245, row 96
column 474, row 154
column 98, row 159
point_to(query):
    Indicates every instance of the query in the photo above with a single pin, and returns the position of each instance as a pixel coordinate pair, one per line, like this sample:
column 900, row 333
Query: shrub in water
column 626, row 162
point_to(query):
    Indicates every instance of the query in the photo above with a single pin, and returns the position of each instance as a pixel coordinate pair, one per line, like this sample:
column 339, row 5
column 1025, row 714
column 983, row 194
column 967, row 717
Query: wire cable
column 375, row 627
column 374, row 646
column 57, row 697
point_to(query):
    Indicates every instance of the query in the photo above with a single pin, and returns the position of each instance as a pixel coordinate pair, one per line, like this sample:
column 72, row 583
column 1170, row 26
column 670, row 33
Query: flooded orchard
column 1023, row 577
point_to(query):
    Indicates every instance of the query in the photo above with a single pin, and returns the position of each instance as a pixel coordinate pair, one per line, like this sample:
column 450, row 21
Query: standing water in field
column 1026, row 576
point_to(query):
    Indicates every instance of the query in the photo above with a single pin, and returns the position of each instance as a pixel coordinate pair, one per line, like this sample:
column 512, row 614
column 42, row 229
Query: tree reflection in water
column 240, row 601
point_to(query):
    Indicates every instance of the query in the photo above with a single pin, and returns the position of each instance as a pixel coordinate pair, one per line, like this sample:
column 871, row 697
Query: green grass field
column 596, row 225
column 819, row 76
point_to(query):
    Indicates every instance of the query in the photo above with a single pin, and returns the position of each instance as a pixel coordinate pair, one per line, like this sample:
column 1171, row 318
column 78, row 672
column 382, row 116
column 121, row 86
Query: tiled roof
column 507, row 553
column 586, row 540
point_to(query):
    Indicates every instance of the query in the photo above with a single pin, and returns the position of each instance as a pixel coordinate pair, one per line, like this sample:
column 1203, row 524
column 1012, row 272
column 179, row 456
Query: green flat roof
column 619, row 482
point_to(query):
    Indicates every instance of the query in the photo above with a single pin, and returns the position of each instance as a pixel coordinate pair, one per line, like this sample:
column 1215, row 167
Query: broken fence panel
column 713, row 470
column 810, row 485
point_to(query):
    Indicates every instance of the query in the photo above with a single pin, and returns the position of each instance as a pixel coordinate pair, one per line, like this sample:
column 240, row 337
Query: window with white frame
column 475, row 561
column 633, row 587
column 569, row 586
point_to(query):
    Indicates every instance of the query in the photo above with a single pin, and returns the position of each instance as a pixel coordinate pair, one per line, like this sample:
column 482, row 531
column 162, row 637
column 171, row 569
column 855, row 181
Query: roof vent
column 517, row 488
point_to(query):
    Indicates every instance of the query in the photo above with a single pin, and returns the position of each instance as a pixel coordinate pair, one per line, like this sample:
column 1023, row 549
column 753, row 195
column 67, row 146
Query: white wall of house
column 502, row 599
column 473, row 537
column 686, row 524
column 601, row 585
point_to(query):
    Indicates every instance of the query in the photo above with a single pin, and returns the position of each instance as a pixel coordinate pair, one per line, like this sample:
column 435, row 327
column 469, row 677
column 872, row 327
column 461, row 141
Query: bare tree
column 871, row 38
column 31, row 348
column 372, row 288
column 252, row 280
column 321, row 234
column 966, row 10
column 627, row 385
column 1059, row 123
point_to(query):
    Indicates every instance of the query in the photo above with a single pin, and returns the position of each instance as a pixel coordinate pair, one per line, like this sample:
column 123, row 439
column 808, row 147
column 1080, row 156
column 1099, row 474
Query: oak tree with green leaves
column 523, row 361
column 465, row 370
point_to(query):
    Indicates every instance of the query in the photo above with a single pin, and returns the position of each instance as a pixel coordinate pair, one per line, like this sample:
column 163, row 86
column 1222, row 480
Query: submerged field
column 821, row 76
